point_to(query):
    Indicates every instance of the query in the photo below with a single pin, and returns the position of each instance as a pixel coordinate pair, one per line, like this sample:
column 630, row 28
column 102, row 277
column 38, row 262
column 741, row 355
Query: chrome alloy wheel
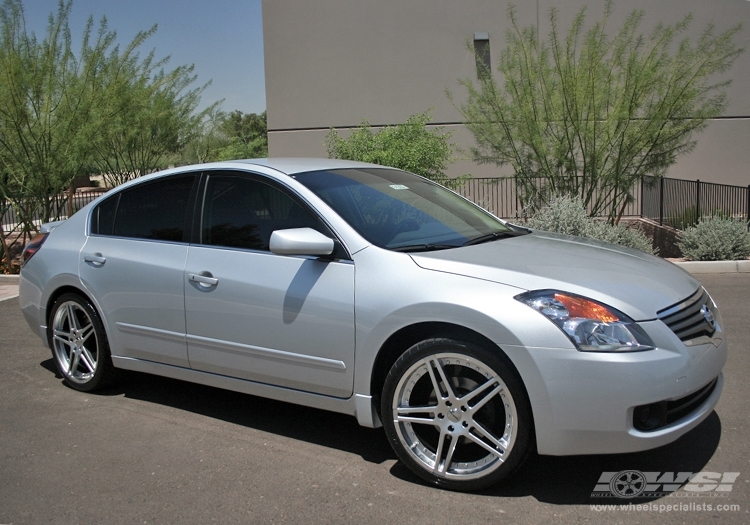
column 455, row 416
column 75, row 342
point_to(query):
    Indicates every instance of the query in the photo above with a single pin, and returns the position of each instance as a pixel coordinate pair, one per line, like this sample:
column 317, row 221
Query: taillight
column 33, row 247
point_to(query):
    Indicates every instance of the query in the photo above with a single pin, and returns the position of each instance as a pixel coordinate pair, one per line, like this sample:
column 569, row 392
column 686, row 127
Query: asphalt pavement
column 156, row 450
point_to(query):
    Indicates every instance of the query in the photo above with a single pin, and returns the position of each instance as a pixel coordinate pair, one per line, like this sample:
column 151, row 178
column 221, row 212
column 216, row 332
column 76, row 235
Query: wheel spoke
column 63, row 337
column 435, row 382
column 88, row 360
column 449, row 457
column 403, row 415
column 86, row 332
column 72, row 320
column 479, row 391
column 446, row 445
column 443, row 377
column 499, row 448
column 73, row 361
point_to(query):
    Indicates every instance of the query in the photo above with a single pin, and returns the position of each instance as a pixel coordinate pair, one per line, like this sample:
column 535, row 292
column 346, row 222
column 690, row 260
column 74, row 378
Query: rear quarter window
column 155, row 210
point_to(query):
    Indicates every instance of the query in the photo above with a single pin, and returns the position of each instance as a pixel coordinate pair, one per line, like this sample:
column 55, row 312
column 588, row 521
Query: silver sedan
column 373, row 292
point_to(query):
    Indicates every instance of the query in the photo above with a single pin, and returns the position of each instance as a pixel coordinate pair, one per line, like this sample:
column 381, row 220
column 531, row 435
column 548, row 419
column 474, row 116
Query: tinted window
column 103, row 218
column 395, row 210
column 242, row 212
column 154, row 210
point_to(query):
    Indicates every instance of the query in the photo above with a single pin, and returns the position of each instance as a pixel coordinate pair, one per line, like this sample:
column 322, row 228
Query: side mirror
column 300, row 241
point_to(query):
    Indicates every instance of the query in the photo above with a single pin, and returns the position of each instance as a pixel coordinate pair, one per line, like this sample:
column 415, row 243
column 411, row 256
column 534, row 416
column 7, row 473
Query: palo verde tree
column 144, row 114
column 41, row 114
column 409, row 146
column 588, row 113
column 65, row 114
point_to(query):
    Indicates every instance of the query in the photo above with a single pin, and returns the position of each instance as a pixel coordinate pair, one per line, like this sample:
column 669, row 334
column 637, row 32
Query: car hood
column 634, row 282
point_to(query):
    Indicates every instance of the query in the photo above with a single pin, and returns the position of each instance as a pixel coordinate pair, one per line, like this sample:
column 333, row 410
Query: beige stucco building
column 333, row 63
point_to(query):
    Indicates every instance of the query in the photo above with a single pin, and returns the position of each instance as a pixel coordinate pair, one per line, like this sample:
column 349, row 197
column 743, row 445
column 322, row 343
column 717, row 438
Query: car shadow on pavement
column 567, row 480
column 570, row 480
column 320, row 427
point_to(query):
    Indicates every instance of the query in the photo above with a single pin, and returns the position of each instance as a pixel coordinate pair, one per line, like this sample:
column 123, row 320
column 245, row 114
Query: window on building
column 482, row 54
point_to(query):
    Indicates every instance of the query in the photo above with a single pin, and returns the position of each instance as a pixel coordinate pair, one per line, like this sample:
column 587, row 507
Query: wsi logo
column 634, row 483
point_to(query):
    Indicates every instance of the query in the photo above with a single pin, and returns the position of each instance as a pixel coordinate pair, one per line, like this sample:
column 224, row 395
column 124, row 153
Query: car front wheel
column 456, row 414
column 79, row 344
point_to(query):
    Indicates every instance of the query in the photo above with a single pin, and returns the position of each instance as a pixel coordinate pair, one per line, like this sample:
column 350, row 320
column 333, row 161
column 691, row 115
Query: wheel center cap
column 454, row 414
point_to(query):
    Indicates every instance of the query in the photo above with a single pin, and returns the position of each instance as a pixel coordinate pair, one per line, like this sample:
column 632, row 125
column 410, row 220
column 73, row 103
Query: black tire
column 457, row 414
column 79, row 344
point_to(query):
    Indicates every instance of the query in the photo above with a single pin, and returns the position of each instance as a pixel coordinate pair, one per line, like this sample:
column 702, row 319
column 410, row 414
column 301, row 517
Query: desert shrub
column 568, row 215
column 716, row 239
column 684, row 219
column 688, row 217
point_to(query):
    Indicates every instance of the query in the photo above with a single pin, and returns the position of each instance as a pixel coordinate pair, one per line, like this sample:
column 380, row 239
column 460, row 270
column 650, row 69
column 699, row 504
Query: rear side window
column 155, row 210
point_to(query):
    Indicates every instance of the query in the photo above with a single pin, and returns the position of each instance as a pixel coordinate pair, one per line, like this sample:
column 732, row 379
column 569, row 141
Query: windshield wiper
column 422, row 247
column 493, row 237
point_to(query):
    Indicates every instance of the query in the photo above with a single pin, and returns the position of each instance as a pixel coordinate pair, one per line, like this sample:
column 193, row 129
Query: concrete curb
column 697, row 267
column 9, row 279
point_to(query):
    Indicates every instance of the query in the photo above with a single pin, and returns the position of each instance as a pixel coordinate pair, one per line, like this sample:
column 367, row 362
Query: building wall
column 333, row 63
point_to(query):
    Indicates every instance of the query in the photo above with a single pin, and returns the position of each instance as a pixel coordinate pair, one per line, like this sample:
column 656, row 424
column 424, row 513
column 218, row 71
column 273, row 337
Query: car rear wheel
column 79, row 343
column 456, row 414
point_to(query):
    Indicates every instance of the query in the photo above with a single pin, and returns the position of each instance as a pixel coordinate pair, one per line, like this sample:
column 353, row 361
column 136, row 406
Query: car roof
column 292, row 165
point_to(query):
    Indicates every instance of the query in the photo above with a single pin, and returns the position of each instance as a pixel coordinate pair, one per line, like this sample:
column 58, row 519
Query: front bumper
column 585, row 403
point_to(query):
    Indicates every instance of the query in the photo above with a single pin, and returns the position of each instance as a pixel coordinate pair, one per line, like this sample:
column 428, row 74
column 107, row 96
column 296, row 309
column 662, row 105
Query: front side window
column 242, row 212
column 155, row 210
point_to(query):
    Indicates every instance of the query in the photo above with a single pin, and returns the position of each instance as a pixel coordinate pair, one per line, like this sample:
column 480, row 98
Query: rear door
column 133, row 264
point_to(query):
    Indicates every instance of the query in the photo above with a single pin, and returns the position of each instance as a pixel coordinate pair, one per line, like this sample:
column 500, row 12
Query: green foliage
column 715, row 239
column 689, row 217
column 591, row 113
column 684, row 219
column 106, row 110
column 568, row 215
column 222, row 136
column 409, row 146
column 143, row 115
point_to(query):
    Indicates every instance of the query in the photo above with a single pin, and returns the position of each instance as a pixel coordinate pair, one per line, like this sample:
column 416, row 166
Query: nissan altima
column 373, row 292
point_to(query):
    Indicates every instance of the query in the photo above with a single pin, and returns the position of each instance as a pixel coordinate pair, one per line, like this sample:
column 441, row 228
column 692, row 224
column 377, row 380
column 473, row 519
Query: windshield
column 396, row 210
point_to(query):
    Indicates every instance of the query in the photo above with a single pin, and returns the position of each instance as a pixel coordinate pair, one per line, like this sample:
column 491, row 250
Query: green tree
column 409, row 146
column 209, row 138
column 61, row 115
column 222, row 136
column 247, row 134
column 41, row 114
column 147, row 116
column 589, row 113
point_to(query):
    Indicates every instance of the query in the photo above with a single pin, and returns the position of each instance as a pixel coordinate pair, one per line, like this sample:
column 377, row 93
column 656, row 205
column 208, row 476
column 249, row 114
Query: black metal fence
column 499, row 197
column 681, row 203
column 61, row 208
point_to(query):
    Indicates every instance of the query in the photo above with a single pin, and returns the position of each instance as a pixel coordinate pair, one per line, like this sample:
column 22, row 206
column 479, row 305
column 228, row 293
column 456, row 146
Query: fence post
column 748, row 206
column 641, row 199
column 661, row 201
column 697, row 201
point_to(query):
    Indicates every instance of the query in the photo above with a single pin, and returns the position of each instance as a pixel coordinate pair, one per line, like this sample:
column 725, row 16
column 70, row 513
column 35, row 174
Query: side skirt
column 359, row 406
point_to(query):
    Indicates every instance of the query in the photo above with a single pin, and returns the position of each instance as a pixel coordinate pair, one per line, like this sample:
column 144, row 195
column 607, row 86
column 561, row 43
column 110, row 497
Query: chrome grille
column 692, row 318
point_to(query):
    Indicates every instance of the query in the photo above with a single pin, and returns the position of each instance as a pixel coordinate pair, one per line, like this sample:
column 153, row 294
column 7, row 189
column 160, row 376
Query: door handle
column 95, row 259
column 204, row 279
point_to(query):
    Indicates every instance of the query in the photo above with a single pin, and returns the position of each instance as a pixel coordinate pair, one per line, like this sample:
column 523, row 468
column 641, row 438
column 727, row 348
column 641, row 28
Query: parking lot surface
column 156, row 450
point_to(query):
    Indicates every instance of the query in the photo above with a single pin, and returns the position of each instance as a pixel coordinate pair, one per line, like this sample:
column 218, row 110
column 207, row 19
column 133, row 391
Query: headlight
column 591, row 326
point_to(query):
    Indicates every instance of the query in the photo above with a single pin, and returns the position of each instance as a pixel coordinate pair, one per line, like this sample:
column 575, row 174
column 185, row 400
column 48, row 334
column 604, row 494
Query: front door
column 280, row 320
